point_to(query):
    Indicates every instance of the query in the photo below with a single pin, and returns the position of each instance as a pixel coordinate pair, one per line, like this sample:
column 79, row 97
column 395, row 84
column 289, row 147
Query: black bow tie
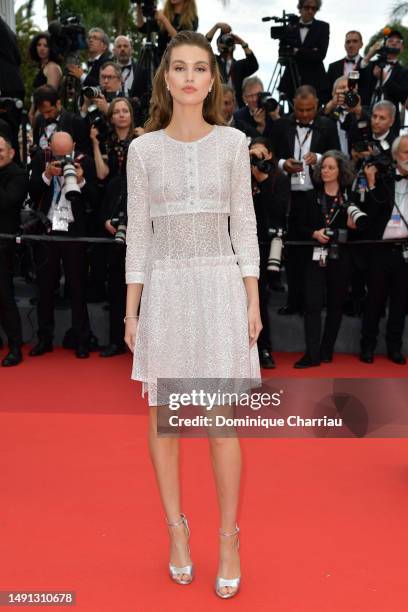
column 305, row 25
column 352, row 59
column 304, row 125
column 127, row 67
column 400, row 177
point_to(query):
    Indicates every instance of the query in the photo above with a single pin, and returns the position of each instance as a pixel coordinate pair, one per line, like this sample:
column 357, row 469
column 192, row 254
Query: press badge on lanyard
column 395, row 220
column 320, row 255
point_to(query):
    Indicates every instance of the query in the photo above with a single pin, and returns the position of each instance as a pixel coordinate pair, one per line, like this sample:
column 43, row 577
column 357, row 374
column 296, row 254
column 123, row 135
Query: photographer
column 233, row 71
column 13, row 191
column 52, row 117
column 11, row 84
column 110, row 87
column 271, row 192
column 98, row 52
column 342, row 108
column 49, row 71
column 59, row 186
column 254, row 119
column 353, row 62
column 134, row 79
column 308, row 42
column 387, row 209
column 299, row 140
column 111, row 168
column 328, row 265
column 388, row 79
column 373, row 135
column 176, row 15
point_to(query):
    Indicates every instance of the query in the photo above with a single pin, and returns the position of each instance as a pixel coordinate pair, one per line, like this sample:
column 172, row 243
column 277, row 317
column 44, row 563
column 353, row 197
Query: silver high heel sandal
column 187, row 569
column 224, row 582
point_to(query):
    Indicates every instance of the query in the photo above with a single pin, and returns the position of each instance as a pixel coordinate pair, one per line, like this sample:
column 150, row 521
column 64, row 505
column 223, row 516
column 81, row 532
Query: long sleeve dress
column 191, row 239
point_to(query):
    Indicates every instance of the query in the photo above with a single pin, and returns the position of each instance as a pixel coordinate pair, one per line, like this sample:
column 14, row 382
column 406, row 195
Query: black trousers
column 387, row 277
column 296, row 256
column 116, row 293
column 9, row 315
column 47, row 257
column 325, row 285
column 264, row 340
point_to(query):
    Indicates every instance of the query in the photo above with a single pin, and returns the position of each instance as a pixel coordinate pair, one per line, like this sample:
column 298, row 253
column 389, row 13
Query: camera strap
column 302, row 144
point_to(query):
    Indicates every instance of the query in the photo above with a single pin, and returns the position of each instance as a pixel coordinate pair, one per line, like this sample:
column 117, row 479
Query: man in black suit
column 66, row 214
column 13, row 191
column 251, row 119
column 52, row 117
column 352, row 62
column 387, row 209
column 380, row 131
column 390, row 82
column 11, row 83
column 299, row 140
column 135, row 82
column 233, row 71
column 98, row 51
column 309, row 40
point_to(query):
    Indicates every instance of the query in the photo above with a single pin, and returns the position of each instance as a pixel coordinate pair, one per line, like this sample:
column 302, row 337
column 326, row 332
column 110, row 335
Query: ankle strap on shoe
column 227, row 535
column 180, row 522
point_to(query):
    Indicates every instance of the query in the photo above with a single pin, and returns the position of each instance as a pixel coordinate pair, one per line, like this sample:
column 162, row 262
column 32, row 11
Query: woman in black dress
column 49, row 71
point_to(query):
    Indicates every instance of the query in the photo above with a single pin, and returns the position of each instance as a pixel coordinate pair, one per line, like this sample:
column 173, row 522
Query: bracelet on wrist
column 130, row 317
column 244, row 45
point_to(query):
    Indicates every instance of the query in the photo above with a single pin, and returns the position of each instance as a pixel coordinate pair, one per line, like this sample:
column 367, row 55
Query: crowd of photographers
column 329, row 174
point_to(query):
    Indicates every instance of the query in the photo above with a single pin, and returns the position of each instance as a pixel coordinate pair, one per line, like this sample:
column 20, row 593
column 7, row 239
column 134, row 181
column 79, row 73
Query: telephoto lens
column 358, row 217
column 70, row 178
column 91, row 92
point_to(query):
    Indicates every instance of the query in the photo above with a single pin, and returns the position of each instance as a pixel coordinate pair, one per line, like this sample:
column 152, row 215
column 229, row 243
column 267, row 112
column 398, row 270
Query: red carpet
column 323, row 522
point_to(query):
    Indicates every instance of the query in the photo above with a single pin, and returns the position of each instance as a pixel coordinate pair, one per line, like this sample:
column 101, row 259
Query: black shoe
column 326, row 356
column 287, row 310
column 40, row 348
column 306, row 362
column 266, row 360
column 13, row 358
column 367, row 356
column 113, row 349
column 397, row 357
column 82, row 352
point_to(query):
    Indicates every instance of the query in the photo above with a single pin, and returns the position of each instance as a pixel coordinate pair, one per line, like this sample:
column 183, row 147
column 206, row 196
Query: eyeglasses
column 309, row 7
column 108, row 77
column 94, row 37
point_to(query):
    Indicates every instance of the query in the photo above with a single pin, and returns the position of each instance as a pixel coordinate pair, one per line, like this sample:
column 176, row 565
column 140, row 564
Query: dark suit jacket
column 283, row 135
column 244, row 121
column 271, row 204
column 11, row 83
column 309, row 61
column 67, row 122
column 13, row 191
column 92, row 78
column 42, row 194
column 395, row 89
column 378, row 205
column 336, row 70
column 240, row 69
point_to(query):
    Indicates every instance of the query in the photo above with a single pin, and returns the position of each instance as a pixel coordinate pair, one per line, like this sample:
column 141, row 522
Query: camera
column 91, row 92
column 8, row 104
column 275, row 251
column 351, row 97
column 70, row 178
column 358, row 217
column 285, row 33
column 364, row 137
column 382, row 56
column 98, row 121
column 263, row 165
column 68, row 35
column 266, row 102
column 226, row 40
column 120, row 223
column 337, row 236
column 148, row 7
column 33, row 221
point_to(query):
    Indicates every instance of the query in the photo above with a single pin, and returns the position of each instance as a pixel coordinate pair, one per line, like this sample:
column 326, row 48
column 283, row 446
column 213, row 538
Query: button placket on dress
column 191, row 171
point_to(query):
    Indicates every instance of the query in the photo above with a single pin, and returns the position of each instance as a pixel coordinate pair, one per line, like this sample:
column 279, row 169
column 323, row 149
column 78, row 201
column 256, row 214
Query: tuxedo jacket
column 66, row 122
column 336, row 70
column 283, row 135
column 92, row 78
column 240, row 69
column 42, row 194
column 395, row 88
column 244, row 121
column 309, row 61
column 378, row 205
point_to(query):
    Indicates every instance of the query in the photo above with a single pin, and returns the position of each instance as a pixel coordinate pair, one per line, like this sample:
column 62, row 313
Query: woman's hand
column 320, row 236
column 370, row 172
column 350, row 223
column 109, row 227
column 93, row 135
column 254, row 324
column 130, row 333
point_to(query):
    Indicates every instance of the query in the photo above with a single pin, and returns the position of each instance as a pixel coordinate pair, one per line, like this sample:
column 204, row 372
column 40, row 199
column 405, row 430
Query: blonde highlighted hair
column 187, row 17
column 161, row 103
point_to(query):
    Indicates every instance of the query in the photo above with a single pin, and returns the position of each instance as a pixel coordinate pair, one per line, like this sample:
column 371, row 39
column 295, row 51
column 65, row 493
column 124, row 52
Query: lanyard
column 302, row 144
column 330, row 215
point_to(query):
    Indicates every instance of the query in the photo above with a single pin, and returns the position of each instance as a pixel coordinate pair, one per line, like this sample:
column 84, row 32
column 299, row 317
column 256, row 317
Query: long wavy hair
column 187, row 16
column 109, row 116
column 346, row 170
column 161, row 102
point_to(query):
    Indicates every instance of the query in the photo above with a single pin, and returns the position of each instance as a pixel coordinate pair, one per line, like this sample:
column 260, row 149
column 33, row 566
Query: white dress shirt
column 302, row 147
column 396, row 227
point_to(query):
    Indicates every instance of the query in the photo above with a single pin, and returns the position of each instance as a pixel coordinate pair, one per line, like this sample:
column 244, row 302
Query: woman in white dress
column 194, row 278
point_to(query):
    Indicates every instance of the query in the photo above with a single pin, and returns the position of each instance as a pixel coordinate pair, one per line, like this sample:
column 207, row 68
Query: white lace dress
column 191, row 239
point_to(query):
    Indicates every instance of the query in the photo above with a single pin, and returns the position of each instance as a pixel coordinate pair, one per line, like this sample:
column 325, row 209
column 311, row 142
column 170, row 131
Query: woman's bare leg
column 164, row 453
column 226, row 462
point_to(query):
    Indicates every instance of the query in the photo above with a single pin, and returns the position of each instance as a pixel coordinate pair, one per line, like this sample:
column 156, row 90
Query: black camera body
column 68, row 35
column 33, row 221
column 338, row 235
column 226, row 40
column 91, row 92
column 148, row 7
column 263, row 165
column 382, row 56
column 266, row 102
column 8, row 104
